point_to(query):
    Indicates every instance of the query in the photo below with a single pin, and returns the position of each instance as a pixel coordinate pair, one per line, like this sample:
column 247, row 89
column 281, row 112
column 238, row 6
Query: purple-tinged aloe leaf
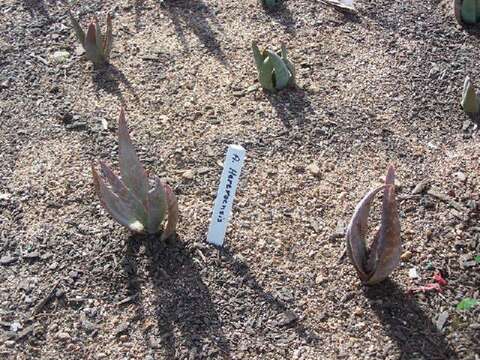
column 356, row 233
column 91, row 47
column 115, row 206
column 385, row 252
column 79, row 33
column 108, row 41
column 390, row 178
column 132, row 172
column 98, row 36
column 157, row 206
column 172, row 213
column 124, row 194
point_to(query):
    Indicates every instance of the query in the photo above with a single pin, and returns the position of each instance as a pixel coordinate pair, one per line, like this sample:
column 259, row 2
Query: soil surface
column 382, row 86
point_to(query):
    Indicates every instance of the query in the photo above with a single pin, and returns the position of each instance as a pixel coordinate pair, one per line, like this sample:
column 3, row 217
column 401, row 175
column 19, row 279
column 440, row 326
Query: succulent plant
column 467, row 11
column 470, row 100
column 271, row 3
column 96, row 45
column 135, row 200
column 377, row 262
column 275, row 71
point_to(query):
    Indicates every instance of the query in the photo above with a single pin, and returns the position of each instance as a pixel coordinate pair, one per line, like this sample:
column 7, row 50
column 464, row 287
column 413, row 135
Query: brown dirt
column 379, row 87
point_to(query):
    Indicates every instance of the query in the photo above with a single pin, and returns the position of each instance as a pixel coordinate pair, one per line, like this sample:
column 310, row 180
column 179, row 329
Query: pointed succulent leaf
column 108, row 41
column 172, row 213
column 79, row 33
column 357, row 232
column 131, row 170
column 290, row 67
column 124, row 193
column 157, row 206
column 386, row 248
column 376, row 264
column 98, row 33
column 470, row 101
column 91, row 47
column 259, row 56
column 117, row 208
column 265, row 75
column 281, row 73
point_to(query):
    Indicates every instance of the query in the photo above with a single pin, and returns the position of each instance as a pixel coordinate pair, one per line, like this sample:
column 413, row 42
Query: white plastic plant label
column 226, row 193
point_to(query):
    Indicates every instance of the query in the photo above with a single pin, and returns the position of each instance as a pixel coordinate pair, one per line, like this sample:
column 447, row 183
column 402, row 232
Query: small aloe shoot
column 137, row 201
column 271, row 3
column 377, row 262
column 470, row 100
column 97, row 46
column 467, row 11
column 275, row 71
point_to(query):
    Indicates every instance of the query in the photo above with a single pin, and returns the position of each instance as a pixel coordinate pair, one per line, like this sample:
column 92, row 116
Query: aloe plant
column 470, row 100
column 271, row 3
column 135, row 200
column 275, row 71
column 467, row 11
column 378, row 261
column 97, row 46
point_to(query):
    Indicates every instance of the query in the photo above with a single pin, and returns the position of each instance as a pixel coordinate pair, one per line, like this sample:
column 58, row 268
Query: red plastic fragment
column 439, row 279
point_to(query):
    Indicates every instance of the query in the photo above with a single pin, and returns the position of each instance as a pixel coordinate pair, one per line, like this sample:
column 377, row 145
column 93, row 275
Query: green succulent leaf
column 258, row 56
column 477, row 259
column 471, row 11
column 470, row 101
column 281, row 73
column 467, row 304
column 290, row 66
column 271, row 3
column 265, row 76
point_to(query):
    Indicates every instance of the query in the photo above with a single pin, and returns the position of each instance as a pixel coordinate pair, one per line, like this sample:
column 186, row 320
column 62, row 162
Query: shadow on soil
column 284, row 16
column 407, row 324
column 185, row 313
column 109, row 79
column 287, row 317
column 197, row 16
column 291, row 105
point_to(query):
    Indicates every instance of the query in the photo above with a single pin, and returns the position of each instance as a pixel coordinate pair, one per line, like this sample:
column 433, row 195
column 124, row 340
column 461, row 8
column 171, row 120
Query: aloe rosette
column 275, row 72
column 97, row 46
column 135, row 200
column 376, row 263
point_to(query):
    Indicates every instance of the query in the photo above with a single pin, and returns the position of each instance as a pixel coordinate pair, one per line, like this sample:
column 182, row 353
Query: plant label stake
column 226, row 192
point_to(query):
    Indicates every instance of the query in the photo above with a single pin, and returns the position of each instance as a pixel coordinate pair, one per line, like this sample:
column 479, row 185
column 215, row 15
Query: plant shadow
column 37, row 7
column 273, row 302
column 196, row 15
column 406, row 323
column 109, row 78
column 186, row 316
column 291, row 105
column 284, row 17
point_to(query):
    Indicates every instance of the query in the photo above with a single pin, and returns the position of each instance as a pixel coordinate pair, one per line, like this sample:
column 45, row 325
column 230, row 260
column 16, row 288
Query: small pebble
column 407, row 255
